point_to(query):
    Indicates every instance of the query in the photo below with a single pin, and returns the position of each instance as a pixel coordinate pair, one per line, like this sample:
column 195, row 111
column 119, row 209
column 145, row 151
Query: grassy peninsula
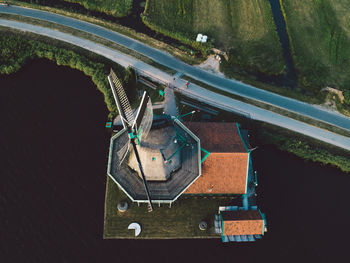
column 319, row 34
column 244, row 29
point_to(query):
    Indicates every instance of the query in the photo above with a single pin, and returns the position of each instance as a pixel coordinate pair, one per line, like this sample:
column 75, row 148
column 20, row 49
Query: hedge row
column 16, row 51
column 304, row 147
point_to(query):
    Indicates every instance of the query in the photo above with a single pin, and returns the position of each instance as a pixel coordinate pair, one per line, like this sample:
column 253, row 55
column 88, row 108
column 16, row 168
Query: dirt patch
column 212, row 64
column 337, row 92
column 331, row 99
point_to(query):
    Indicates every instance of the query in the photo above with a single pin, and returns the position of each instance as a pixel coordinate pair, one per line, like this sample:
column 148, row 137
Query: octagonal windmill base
column 159, row 154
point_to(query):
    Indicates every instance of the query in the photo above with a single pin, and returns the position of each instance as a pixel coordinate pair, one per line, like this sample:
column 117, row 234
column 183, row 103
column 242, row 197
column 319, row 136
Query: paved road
column 193, row 91
column 161, row 57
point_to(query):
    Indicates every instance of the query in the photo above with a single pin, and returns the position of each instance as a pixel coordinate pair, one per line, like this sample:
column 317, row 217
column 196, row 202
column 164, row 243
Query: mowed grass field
column 319, row 31
column 116, row 8
column 243, row 28
column 180, row 221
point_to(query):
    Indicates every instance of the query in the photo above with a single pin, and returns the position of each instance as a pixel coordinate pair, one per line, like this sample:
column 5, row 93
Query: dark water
column 291, row 77
column 54, row 151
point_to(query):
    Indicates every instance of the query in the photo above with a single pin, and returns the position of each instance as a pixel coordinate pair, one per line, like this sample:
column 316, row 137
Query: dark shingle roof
column 217, row 136
column 241, row 215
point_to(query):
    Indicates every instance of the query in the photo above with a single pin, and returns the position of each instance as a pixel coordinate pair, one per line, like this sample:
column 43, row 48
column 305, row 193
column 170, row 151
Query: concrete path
column 170, row 103
column 193, row 91
column 229, row 85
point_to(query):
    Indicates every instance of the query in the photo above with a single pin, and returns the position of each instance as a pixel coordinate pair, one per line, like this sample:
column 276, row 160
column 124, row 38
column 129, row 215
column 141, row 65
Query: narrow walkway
column 170, row 107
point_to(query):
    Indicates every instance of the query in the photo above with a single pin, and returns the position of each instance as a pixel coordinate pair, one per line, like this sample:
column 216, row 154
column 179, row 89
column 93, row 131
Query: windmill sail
column 121, row 100
column 125, row 112
column 128, row 121
column 144, row 118
column 124, row 147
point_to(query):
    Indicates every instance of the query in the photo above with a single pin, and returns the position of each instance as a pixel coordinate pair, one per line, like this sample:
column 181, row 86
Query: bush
column 117, row 8
column 16, row 51
column 304, row 147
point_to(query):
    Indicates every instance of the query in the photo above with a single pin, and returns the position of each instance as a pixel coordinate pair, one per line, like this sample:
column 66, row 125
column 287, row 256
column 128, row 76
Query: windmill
column 137, row 127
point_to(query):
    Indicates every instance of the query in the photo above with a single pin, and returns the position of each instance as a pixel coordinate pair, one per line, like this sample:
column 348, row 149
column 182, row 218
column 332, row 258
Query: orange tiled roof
column 222, row 173
column 225, row 169
column 242, row 223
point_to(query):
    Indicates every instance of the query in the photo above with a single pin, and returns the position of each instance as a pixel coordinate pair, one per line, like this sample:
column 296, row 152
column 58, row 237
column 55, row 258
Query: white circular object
column 137, row 228
column 203, row 225
column 122, row 206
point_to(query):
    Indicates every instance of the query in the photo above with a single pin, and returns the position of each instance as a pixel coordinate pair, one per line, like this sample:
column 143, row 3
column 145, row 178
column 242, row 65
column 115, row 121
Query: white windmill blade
column 125, row 112
column 144, row 117
column 121, row 100
column 126, row 151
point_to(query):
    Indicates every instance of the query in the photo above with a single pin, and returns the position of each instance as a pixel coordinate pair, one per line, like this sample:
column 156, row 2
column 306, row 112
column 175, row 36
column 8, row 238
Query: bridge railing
column 143, row 73
column 189, row 94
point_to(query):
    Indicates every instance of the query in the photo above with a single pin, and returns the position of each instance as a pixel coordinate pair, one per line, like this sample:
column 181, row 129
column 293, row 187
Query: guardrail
column 188, row 94
column 141, row 72
column 213, row 103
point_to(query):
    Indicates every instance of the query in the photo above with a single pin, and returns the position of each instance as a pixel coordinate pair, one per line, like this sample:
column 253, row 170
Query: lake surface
column 54, row 150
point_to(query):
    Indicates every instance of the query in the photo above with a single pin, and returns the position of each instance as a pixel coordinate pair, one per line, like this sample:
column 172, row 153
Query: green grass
column 154, row 94
column 179, row 221
column 243, row 28
column 118, row 8
column 319, row 33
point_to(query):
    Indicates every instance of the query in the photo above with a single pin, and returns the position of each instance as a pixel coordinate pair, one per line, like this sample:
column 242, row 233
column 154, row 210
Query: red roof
column 225, row 169
column 222, row 173
column 242, row 223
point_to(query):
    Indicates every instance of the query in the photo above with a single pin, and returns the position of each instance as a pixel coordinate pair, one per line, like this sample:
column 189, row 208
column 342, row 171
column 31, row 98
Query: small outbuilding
column 238, row 224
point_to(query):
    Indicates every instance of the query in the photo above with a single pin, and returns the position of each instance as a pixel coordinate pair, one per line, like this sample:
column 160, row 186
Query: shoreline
column 100, row 80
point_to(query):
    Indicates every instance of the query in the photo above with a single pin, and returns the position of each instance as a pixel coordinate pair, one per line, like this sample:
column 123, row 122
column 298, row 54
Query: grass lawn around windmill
column 181, row 220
